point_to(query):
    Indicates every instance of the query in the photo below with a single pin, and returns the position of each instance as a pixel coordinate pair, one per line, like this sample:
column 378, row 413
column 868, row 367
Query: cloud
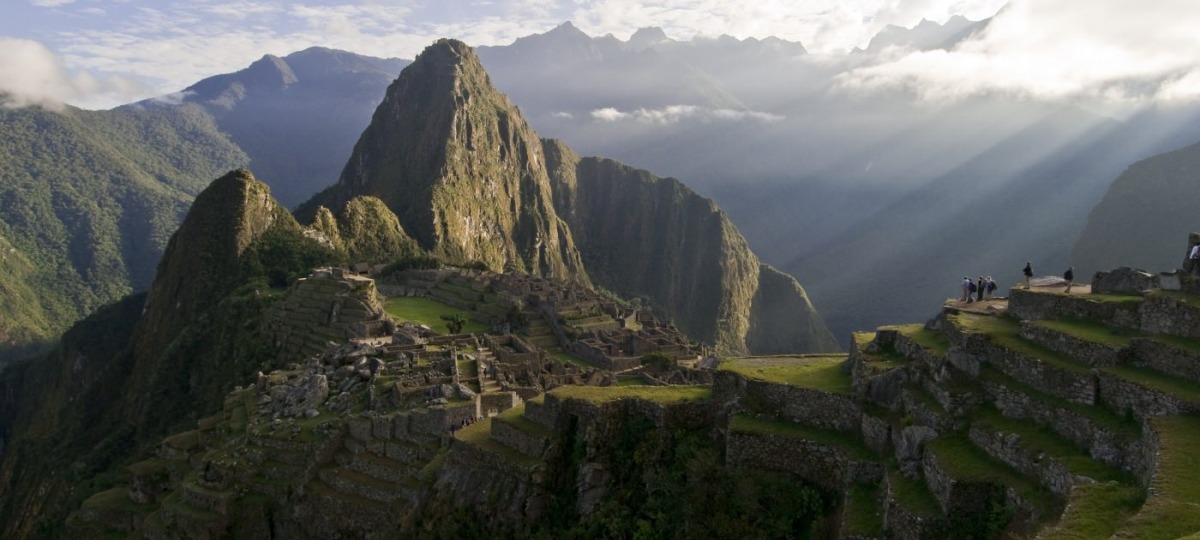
column 30, row 74
column 1111, row 52
column 676, row 113
column 51, row 3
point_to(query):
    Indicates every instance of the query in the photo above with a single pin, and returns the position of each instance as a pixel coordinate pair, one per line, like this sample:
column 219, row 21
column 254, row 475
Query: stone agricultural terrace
column 1052, row 416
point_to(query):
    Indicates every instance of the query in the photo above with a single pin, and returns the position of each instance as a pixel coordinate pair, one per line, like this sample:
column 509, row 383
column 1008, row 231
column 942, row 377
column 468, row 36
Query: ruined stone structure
column 330, row 306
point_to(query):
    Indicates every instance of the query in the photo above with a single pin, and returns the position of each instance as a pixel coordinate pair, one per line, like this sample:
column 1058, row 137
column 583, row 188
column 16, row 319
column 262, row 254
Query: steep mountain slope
column 1140, row 218
column 88, row 200
column 654, row 238
column 455, row 161
column 150, row 363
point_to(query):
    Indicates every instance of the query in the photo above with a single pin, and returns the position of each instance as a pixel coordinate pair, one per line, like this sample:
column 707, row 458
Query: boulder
column 1124, row 280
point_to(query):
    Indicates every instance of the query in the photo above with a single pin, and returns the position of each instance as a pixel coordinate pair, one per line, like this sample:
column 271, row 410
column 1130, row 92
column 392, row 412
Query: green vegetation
column 656, row 394
column 913, row 494
column 1154, row 380
column 88, row 202
column 1095, row 511
column 1100, row 415
column 863, row 513
column 823, row 373
column 658, row 361
column 1173, row 508
column 1004, row 332
column 852, row 444
column 572, row 359
column 1093, row 331
column 1190, row 345
column 454, row 322
column 935, row 342
column 1040, row 440
column 428, row 312
column 965, row 462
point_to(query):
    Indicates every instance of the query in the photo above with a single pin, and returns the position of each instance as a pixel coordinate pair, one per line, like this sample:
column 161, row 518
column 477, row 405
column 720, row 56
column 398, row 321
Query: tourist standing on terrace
column 1028, row 273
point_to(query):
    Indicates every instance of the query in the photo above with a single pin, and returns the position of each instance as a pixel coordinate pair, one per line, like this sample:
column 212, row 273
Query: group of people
column 977, row 290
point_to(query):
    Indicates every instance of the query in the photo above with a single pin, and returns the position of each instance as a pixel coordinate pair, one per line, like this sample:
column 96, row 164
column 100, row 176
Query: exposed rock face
column 456, row 162
column 651, row 237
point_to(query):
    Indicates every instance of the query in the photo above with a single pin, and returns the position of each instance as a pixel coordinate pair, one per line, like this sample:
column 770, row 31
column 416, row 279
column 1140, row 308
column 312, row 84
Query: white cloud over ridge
column 30, row 74
column 677, row 113
column 1114, row 51
column 1111, row 52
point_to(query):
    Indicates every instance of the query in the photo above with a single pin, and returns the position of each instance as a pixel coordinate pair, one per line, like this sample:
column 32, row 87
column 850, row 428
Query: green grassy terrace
column 1095, row 511
column 913, row 494
column 572, row 359
column 935, row 342
column 515, row 417
column 479, row 435
column 656, row 394
column 1173, row 508
column 1041, row 440
column 1099, row 415
column 966, row 462
column 1154, row 380
column 1003, row 331
column 429, row 312
column 1092, row 331
column 853, row 445
column 863, row 513
column 817, row 372
column 117, row 498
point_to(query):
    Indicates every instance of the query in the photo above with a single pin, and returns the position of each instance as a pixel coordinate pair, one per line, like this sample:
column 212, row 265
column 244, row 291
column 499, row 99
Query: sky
column 102, row 53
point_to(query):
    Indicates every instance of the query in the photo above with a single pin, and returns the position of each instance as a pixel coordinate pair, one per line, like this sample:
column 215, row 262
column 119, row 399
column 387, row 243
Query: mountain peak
column 645, row 37
column 452, row 158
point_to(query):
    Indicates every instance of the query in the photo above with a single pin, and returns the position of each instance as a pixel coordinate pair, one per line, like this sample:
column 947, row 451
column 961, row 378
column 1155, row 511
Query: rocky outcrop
column 460, row 168
column 649, row 237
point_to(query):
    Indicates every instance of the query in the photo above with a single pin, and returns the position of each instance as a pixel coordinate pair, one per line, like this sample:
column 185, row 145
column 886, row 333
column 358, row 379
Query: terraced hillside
column 1055, row 416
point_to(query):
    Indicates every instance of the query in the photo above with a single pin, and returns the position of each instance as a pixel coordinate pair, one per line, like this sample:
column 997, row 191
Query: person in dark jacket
column 1069, row 275
column 1028, row 273
column 979, row 289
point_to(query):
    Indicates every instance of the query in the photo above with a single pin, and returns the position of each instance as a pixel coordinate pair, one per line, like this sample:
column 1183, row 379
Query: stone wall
column 525, row 442
column 1102, row 443
column 1079, row 387
column 1163, row 314
column 801, row 405
column 1092, row 353
column 1168, row 359
column 1140, row 401
column 1028, row 305
column 825, row 465
column 1007, row 447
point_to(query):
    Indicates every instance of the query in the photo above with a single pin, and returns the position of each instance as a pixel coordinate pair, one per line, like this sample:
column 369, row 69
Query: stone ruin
column 330, row 306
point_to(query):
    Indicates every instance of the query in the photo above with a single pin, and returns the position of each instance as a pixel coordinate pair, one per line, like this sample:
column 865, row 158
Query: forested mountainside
column 88, row 200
